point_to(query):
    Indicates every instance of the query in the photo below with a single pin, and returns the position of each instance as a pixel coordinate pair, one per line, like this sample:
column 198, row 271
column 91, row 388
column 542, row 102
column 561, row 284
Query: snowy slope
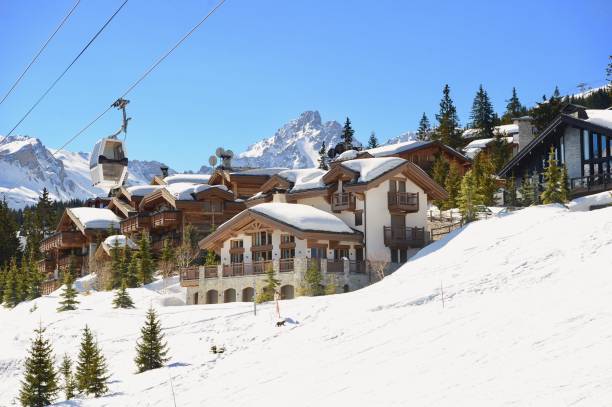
column 27, row 166
column 526, row 322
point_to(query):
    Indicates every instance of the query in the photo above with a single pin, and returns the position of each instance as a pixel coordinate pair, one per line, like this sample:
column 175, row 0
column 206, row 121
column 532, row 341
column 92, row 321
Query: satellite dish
column 212, row 160
column 229, row 153
column 220, row 151
column 331, row 153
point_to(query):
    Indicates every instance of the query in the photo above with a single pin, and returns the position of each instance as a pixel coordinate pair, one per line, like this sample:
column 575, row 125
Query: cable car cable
column 68, row 67
column 39, row 52
column 147, row 72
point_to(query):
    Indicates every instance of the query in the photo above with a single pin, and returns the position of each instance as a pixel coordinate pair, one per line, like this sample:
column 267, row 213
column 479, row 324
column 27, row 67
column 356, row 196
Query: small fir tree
column 39, row 386
column 91, row 372
column 424, row 130
column 469, row 197
column 69, row 301
column 486, row 184
column 440, row 169
column 131, row 278
column 448, row 121
column 36, row 278
column 122, row 298
column 69, row 384
column 565, row 193
column 482, row 115
column 511, row 198
column 347, row 135
column 514, row 108
column 167, row 259
column 527, row 191
column 146, row 267
column 270, row 286
column 323, row 157
column 23, row 281
column 313, row 278
column 453, row 187
column 372, row 141
column 115, row 265
column 554, row 190
column 11, row 296
column 151, row 349
column 501, row 152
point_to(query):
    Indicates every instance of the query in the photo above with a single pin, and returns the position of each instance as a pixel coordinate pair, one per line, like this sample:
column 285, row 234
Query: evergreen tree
column 36, row 278
column 453, row 187
column 69, row 385
column 424, row 130
column 565, row 192
column 23, row 281
column 270, row 286
column 484, row 175
column 46, row 214
column 469, row 198
column 91, row 371
column 11, row 295
column 9, row 242
column 3, row 274
column 609, row 71
column 151, row 349
column 500, row 152
column 482, row 115
column 211, row 258
column 514, row 108
column 544, row 113
column 314, row 279
column 323, row 157
column 554, row 190
column 167, row 259
column 131, row 278
column 347, row 135
column 69, row 301
column 448, row 121
column 146, row 268
column 372, row 141
column 39, row 386
column 527, row 191
column 122, row 297
column 511, row 198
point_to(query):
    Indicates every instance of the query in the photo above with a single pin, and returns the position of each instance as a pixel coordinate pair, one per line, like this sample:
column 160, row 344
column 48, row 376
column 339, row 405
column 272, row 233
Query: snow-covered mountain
column 27, row 166
column 406, row 136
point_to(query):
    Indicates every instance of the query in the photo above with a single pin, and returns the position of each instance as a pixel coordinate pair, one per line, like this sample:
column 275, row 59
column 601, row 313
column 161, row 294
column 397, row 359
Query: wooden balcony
column 335, row 266
column 591, row 184
column 210, row 271
column 136, row 223
column 234, row 270
column 404, row 237
column 190, row 276
column 260, row 267
column 79, row 263
column 343, row 201
column 62, row 240
column 246, row 269
column 286, row 265
column 47, row 287
column 166, row 219
column 356, row 266
column 46, row 266
column 404, row 202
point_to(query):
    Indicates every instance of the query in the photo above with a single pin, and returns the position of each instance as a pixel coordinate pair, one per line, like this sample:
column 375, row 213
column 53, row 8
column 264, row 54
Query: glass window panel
column 604, row 146
column 595, row 142
column 585, row 145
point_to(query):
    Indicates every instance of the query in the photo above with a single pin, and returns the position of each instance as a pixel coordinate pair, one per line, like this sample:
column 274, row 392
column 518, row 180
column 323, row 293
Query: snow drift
column 506, row 311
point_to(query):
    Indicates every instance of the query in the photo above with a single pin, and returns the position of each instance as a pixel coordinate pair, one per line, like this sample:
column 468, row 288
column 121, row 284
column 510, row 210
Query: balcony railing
column 404, row 237
column 357, row 266
column 286, row 265
column 46, row 266
column 403, row 201
column 343, row 201
column 335, row 266
column 210, row 271
column 136, row 223
column 234, row 270
column 260, row 267
column 165, row 219
column 47, row 287
column 591, row 183
column 62, row 240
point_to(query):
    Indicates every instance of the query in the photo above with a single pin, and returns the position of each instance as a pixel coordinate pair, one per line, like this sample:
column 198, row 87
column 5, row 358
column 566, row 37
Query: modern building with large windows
column 581, row 139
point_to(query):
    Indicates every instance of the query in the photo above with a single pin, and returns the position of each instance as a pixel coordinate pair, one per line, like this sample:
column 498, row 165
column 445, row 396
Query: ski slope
column 509, row 311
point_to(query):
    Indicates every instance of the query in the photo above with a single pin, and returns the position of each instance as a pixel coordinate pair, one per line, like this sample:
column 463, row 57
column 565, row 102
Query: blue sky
column 257, row 64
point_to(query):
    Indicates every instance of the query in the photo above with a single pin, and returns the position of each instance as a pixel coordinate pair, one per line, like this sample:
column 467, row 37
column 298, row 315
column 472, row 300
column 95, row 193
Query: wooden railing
column 357, row 266
column 62, row 240
column 135, row 223
column 286, row 265
column 165, row 219
column 404, row 237
column 335, row 266
column 210, row 271
column 260, row 267
column 343, row 201
column 47, row 287
column 190, row 276
column 441, row 231
column 591, row 183
column 403, row 201
column 46, row 266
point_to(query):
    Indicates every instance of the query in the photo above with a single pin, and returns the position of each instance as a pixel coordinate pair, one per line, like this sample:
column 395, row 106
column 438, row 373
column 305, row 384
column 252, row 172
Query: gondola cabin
column 108, row 163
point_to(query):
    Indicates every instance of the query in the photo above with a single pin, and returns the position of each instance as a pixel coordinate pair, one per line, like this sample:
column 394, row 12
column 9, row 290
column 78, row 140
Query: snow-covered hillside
column 27, row 166
column 506, row 311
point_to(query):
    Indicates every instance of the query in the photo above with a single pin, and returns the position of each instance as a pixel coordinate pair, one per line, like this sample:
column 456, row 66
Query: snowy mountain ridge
column 27, row 166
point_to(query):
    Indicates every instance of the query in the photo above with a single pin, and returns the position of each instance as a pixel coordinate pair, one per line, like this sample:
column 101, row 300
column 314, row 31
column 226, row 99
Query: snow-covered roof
column 371, row 168
column 120, row 241
column 600, row 117
column 184, row 191
column 584, row 203
column 392, row 149
column 475, row 146
column 94, row 218
column 504, row 129
column 142, row 190
column 304, row 178
column 261, row 171
column 303, row 217
column 193, row 178
column 347, row 155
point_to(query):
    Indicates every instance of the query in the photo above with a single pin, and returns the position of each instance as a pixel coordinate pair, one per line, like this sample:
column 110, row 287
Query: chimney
column 526, row 131
column 164, row 170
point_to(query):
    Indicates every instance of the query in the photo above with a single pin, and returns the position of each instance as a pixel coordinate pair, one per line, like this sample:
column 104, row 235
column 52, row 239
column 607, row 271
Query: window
column 262, row 255
column 236, row 244
column 595, row 142
column 359, row 254
column 585, row 145
column 287, row 253
column 339, row 254
column 358, row 218
column 287, row 239
column 318, row 253
column 604, row 146
column 399, row 255
column 262, row 239
column 236, row 258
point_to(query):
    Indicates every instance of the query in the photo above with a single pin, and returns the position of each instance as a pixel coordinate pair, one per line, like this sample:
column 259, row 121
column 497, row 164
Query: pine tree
column 146, row 268
column 453, row 187
column 544, row 113
column 347, row 135
column 69, row 385
column 323, row 157
column 527, row 191
column 167, row 259
column 3, row 274
column 11, row 295
column 609, row 71
column 564, row 187
column 448, row 121
column 45, row 212
column 511, row 198
column 122, row 297
column 131, row 277
column 372, row 141
column 270, row 286
column 424, row 130
column 514, row 108
column 23, row 281
column 151, row 349
column 482, row 115
column 9, row 242
column 39, row 386
column 484, row 175
column 500, row 152
column 69, row 301
column 36, row 278
column 91, row 371
column 554, row 190
column 314, row 278
column 468, row 198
